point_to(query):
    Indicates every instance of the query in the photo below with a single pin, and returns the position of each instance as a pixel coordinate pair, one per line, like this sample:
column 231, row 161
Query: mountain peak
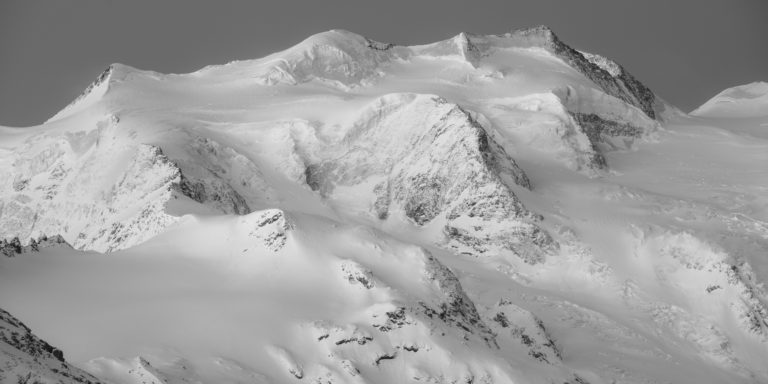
column 341, row 39
column 336, row 37
column 96, row 90
column 93, row 92
column 539, row 30
column 747, row 100
column 337, row 57
column 749, row 91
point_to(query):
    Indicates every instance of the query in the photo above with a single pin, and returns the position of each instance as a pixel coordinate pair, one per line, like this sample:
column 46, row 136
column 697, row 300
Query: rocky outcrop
column 729, row 282
column 212, row 192
column 609, row 76
column 286, row 360
column 357, row 274
column 269, row 227
column 219, row 176
column 98, row 89
column 455, row 307
column 67, row 184
column 92, row 93
column 25, row 358
column 605, row 134
column 515, row 325
column 436, row 164
column 13, row 247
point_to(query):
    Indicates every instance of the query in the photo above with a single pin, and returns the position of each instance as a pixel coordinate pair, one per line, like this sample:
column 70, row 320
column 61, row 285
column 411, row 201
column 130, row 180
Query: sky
column 684, row 50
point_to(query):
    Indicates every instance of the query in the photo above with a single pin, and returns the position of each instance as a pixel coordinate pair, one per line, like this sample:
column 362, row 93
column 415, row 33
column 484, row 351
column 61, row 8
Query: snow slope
column 487, row 209
column 748, row 100
column 28, row 359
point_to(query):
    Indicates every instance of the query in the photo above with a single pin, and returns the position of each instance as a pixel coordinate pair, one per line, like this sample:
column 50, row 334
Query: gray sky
column 685, row 50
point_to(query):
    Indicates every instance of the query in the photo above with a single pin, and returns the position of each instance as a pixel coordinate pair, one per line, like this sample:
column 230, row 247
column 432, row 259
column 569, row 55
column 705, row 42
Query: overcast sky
column 685, row 50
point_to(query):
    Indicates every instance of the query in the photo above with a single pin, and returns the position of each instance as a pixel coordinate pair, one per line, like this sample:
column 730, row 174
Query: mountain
column 28, row 359
column 104, row 149
column 748, row 100
column 483, row 209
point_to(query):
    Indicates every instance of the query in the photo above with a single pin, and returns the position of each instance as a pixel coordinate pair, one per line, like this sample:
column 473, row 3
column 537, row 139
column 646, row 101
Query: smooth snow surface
column 749, row 100
column 485, row 209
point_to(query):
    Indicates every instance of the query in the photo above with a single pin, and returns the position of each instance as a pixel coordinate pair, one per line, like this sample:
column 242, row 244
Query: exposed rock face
column 219, row 194
column 607, row 134
column 412, row 332
column 270, row 227
column 611, row 77
column 93, row 92
column 608, row 123
column 515, row 325
column 25, row 358
column 286, row 361
column 730, row 282
column 150, row 177
column 73, row 189
column 13, row 247
column 435, row 163
column 357, row 274
column 456, row 307
column 63, row 186
column 220, row 176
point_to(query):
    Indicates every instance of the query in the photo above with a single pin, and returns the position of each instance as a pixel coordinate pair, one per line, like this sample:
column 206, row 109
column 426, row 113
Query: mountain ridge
column 365, row 55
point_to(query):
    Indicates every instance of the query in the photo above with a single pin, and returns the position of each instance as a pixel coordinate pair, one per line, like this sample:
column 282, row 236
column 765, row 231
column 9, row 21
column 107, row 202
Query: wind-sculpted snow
column 380, row 309
column 606, row 74
column 338, row 58
column 344, row 59
column 543, row 122
column 91, row 94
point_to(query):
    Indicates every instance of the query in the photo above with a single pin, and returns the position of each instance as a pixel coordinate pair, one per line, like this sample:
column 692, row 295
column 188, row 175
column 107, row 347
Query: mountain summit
column 748, row 100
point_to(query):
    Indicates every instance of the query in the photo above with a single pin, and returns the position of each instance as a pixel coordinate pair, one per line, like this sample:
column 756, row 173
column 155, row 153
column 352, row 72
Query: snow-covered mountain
column 487, row 209
column 748, row 100
column 28, row 359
